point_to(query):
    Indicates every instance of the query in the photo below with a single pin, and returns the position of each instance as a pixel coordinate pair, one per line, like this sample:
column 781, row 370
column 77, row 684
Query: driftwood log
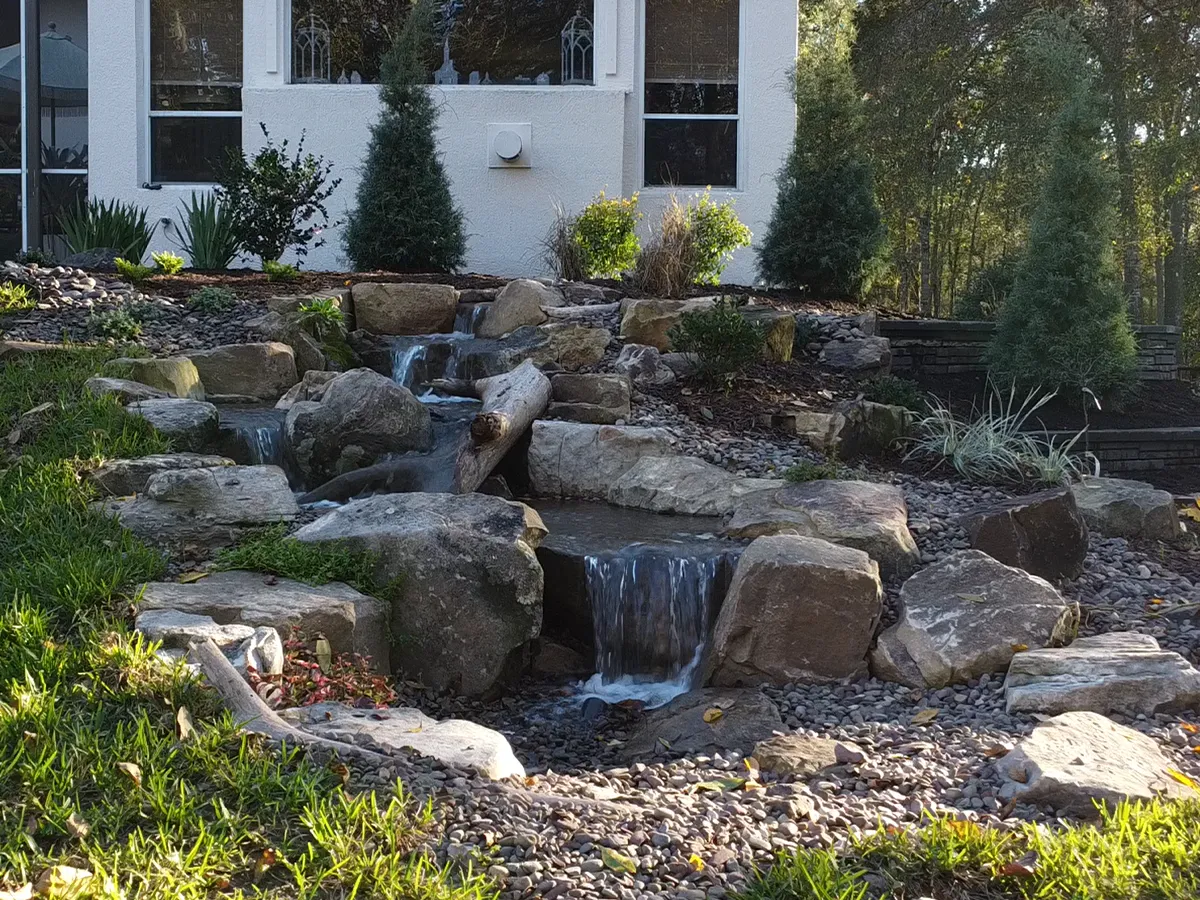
column 575, row 313
column 510, row 404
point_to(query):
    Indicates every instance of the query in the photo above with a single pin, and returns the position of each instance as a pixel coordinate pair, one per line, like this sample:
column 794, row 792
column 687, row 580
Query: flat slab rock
column 747, row 717
column 860, row 514
column 123, row 389
column 1122, row 672
column 353, row 622
column 124, row 477
column 685, row 486
column 568, row 459
column 1079, row 759
column 454, row 742
column 802, row 755
column 1115, row 507
column 191, row 425
column 964, row 616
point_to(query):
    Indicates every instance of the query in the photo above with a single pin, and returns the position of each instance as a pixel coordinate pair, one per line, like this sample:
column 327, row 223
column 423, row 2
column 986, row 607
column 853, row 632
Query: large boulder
column 596, row 399
column 860, row 514
column 1129, row 509
column 176, row 375
column 864, row 355
column 176, row 630
column 247, row 372
column 570, row 345
column 285, row 328
column 351, row 621
column 1122, row 672
column 965, row 616
column 649, row 322
column 1043, row 533
column 194, row 511
column 361, row 417
column 778, row 328
column 798, row 609
column 644, row 365
column 1080, row 759
column 190, row 425
column 453, row 742
column 519, row 304
column 123, row 389
column 405, row 308
column 579, row 461
column 470, row 587
column 124, row 477
column 862, row 428
column 687, row 725
column 684, row 485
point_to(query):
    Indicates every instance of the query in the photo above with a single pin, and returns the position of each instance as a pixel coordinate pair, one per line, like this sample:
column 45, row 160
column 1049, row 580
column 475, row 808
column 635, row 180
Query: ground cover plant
column 102, row 774
column 212, row 299
column 15, row 297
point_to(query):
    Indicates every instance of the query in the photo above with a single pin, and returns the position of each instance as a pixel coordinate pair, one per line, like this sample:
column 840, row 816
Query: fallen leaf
column 324, row 654
column 1019, row 775
column 263, row 863
column 1189, row 727
column 995, row 752
column 1154, row 601
column 342, row 771
column 1021, row 868
column 1183, row 779
column 618, row 862
column 77, row 827
column 132, row 771
column 721, row 784
column 973, row 598
column 712, row 714
column 696, row 862
column 184, row 729
column 924, row 716
column 665, row 742
column 1192, row 513
column 192, row 577
column 1019, row 648
column 61, row 882
column 25, row 892
column 752, row 768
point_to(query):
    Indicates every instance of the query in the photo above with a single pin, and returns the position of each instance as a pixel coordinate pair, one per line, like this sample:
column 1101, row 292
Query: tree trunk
column 1176, row 256
column 924, row 226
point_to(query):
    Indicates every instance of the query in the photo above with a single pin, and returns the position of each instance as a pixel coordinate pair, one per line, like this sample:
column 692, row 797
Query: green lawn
column 92, row 773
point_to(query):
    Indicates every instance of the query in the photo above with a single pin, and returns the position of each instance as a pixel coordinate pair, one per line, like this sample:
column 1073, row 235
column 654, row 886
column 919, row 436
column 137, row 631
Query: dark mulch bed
column 1156, row 404
column 249, row 284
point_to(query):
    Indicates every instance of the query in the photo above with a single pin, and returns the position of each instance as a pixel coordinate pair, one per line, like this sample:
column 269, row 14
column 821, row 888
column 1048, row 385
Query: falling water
column 404, row 364
column 265, row 443
column 469, row 317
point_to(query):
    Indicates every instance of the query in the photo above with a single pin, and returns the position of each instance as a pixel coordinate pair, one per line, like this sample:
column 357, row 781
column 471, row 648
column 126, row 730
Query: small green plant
column 323, row 319
column 277, row 271
column 15, row 297
column 97, row 225
column 167, row 263
column 893, row 390
column 35, row 256
column 716, row 233
column 117, row 324
column 606, row 232
column 344, row 678
column 806, row 470
column 131, row 271
column 144, row 311
column 720, row 339
column 207, row 230
column 212, row 299
column 807, row 332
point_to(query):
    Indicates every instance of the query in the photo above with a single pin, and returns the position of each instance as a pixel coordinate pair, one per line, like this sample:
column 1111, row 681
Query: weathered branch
column 510, row 404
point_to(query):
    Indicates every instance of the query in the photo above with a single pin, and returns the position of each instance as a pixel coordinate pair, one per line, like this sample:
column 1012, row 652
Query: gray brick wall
column 1141, row 449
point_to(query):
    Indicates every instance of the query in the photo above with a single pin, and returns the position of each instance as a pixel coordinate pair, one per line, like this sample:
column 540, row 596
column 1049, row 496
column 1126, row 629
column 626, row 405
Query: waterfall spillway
column 253, row 436
column 265, row 443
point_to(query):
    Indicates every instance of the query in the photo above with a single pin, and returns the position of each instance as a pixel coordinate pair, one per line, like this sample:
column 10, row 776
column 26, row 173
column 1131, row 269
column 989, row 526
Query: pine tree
column 405, row 218
column 826, row 226
column 1065, row 325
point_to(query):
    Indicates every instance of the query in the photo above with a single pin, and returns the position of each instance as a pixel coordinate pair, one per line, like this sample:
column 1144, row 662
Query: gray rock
column 286, row 329
column 177, row 375
column 595, row 399
column 519, row 304
column 778, row 328
column 262, row 372
column 310, row 389
column 1079, row 759
column 799, row 609
column 1129, row 509
column 123, row 389
column 1121, row 672
column 176, row 630
column 124, row 477
column 649, row 322
column 860, row 514
column 584, row 461
column 872, row 354
column 190, row 425
column 644, row 365
column 684, row 485
column 677, row 729
column 351, row 621
column 798, row 755
column 361, row 417
column 262, row 652
column 587, row 413
column 405, row 308
column 966, row 616
column 1043, row 533
column 862, row 428
column 470, row 597
column 453, row 742
column 569, row 345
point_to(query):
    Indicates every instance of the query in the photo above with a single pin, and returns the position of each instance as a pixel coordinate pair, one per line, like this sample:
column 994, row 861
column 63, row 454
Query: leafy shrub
column 606, row 231
column 275, row 201
column 896, row 391
column 716, row 233
column 277, row 271
column 807, row 470
column 208, row 232
column 15, row 297
column 131, row 271
column 144, row 311
column 167, row 263
column 323, row 319
column 35, row 256
column 405, row 218
column 307, row 679
column 117, row 324
column 721, row 339
column 985, row 295
column 212, row 299
column 807, row 332
column 97, row 225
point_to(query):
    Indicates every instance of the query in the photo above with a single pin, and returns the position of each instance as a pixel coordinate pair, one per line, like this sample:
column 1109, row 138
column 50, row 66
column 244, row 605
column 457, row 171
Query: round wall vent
column 508, row 145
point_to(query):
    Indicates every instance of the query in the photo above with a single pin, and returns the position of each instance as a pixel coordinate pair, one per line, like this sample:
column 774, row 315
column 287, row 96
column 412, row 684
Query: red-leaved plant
column 345, row 678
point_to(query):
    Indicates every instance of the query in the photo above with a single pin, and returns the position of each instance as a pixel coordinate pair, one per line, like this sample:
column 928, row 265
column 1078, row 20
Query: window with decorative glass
column 691, row 103
column 195, row 87
column 479, row 42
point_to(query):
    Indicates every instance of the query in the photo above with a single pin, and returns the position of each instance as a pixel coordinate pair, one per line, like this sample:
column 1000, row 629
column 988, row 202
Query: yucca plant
column 97, row 225
column 207, row 228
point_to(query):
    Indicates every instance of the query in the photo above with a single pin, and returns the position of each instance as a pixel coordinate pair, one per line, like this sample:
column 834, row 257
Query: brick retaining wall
column 942, row 347
column 1139, row 449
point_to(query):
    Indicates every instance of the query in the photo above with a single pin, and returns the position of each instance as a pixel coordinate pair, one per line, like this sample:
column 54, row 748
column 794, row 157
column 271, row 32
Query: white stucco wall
column 585, row 139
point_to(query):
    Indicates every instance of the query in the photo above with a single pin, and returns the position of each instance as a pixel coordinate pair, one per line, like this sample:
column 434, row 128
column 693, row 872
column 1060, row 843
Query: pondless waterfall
column 253, row 436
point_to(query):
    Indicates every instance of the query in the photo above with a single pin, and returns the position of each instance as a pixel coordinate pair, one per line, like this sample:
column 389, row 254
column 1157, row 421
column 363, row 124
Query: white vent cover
column 510, row 146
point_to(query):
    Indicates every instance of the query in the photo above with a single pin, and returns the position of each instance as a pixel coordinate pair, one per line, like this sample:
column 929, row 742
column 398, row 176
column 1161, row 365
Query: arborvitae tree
column 826, row 226
column 1064, row 325
column 405, row 218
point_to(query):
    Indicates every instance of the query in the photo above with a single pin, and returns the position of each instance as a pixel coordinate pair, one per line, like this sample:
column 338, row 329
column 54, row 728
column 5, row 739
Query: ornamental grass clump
column 207, row 233
column 111, row 225
column 693, row 245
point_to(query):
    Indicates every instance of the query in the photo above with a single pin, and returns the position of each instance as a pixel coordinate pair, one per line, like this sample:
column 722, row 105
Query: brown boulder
column 1043, row 533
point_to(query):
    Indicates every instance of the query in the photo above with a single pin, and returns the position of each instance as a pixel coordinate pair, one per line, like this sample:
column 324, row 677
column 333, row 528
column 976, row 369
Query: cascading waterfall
column 469, row 317
column 404, row 363
column 265, row 443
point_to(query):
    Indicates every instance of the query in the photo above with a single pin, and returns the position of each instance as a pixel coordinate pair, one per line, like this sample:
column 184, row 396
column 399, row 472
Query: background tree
column 405, row 218
column 826, row 227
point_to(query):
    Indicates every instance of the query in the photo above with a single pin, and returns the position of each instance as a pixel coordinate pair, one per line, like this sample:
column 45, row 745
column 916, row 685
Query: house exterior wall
column 584, row 139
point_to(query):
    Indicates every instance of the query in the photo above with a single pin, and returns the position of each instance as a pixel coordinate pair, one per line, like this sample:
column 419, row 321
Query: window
column 691, row 101
column 530, row 42
column 195, row 87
